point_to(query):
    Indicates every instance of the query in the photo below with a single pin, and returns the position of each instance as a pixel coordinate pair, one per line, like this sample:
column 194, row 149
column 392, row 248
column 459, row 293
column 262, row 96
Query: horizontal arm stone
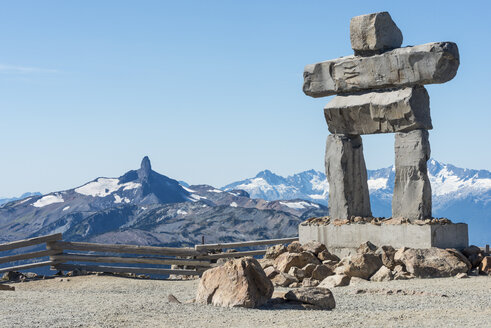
column 370, row 112
column 423, row 64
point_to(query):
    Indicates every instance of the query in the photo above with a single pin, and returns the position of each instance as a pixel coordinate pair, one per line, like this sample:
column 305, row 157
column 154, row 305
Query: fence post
column 53, row 245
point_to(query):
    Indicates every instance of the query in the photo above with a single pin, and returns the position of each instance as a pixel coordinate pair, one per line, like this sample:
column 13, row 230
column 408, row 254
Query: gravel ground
column 106, row 301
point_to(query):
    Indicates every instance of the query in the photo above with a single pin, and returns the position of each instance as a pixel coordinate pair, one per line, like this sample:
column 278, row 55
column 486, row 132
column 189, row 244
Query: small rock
column 287, row 260
column 265, row 263
column 461, row 275
column 297, row 273
column 366, row 247
column 283, row 279
column 321, row 272
column 363, row 265
column 356, row 281
column 386, row 254
column 7, row 287
column 485, row 266
column 383, row 274
column 295, row 285
column 172, row 299
column 271, row 272
column 309, row 282
column 320, row 297
column 325, row 255
column 274, row 251
column 314, row 247
column 337, row 280
column 294, row 247
column 308, row 270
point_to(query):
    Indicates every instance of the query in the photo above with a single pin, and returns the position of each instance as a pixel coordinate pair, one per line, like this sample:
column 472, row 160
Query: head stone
column 374, row 33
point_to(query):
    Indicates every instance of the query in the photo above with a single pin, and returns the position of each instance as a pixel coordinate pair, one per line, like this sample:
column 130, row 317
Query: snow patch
column 48, row 200
column 187, row 189
column 118, row 199
column 103, row 187
column 233, row 204
column 215, row 190
column 299, row 205
column 66, row 208
column 182, row 212
column 376, row 184
column 196, row 198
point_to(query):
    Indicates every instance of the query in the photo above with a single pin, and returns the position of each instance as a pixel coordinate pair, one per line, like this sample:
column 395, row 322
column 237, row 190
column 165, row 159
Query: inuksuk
column 379, row 89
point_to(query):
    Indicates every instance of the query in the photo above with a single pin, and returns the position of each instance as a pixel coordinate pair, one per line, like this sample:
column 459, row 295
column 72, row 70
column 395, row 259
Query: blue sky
column 210, row 90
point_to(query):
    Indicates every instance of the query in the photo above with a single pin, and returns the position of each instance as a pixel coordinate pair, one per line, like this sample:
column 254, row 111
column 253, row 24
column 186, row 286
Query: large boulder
column 363, row 265
column 238, row 283
column 431, row 262
column 337, row 280
column 320, row 297
column 287, row 260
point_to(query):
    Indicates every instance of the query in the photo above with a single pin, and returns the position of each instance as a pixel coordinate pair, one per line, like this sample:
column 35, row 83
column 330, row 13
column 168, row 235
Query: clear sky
column 211, row 91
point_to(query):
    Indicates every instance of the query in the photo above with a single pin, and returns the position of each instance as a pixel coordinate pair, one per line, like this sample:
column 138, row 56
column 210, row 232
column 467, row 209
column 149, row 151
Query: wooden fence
column 189, row 260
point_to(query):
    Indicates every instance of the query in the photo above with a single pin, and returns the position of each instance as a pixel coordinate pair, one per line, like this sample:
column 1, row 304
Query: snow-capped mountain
column 462, row 195
column 146, row 207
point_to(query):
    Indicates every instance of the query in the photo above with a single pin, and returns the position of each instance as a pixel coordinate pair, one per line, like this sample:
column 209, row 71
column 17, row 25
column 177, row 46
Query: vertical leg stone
column 412, row 190
column 347, row 176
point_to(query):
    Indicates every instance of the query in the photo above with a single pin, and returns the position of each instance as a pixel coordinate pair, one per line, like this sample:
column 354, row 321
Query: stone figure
column 379, row 89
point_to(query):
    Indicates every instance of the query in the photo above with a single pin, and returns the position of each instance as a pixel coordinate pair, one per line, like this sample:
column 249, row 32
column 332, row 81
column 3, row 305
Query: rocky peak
column 145, row 168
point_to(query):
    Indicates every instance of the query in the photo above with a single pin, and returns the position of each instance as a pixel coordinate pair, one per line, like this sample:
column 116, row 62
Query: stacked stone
column 380, row 90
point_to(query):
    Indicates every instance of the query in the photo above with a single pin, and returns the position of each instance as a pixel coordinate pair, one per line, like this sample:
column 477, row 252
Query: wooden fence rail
column 31, row 255
column 191, row 260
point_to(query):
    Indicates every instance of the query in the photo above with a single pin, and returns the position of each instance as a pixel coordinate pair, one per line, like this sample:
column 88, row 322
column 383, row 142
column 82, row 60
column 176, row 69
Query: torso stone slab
column 371, row 112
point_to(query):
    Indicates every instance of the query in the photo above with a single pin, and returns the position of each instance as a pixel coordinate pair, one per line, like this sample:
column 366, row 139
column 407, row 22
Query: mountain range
column 147, row 208
column 462, row 195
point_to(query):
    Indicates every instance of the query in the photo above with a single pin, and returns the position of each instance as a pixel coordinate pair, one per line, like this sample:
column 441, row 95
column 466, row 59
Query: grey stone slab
column 423, row 64
column 370, row 112
column 373, row 33
column 347, row 176
column 412, row 189
column 345, row 239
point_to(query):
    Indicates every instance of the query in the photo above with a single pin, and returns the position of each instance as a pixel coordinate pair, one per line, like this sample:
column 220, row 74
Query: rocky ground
column 106, row 301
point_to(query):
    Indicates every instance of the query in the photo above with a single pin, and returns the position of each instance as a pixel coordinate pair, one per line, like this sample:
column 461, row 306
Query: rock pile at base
column 312, row 264
column 327, row 220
